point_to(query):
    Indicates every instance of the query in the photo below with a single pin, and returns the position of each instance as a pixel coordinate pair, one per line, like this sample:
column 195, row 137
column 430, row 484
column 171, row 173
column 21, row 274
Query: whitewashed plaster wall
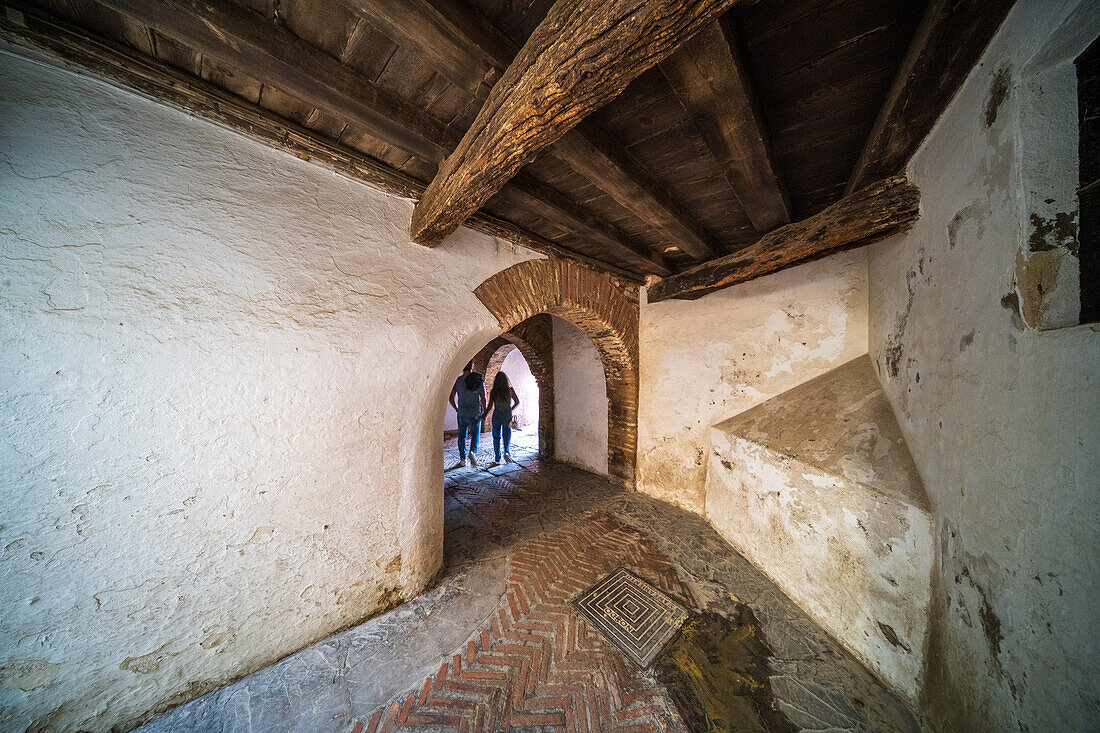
column 580, row 400
column 1002, row 420
column 519, row 374
column 222, row 376
column 450, row 417
column 817, row 488
column 704, row 361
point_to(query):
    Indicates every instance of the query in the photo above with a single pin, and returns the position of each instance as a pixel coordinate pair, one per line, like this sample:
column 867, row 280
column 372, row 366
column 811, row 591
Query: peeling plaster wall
column 1002, row 420
column 526, row 414
column 224, row 371
column 706, row 360
column 816, row 488
column 580, row 400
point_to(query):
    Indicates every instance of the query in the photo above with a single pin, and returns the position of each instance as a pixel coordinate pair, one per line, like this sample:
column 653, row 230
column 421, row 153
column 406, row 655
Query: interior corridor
column 800, row 301
column 525, row 442
column 495, row 644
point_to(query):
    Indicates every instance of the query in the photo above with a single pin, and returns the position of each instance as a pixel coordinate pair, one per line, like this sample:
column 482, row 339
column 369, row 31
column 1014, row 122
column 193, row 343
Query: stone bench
column 817, row 488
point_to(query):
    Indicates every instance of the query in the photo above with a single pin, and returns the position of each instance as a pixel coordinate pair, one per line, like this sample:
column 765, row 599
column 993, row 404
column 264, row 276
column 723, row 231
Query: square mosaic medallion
column 630, row 613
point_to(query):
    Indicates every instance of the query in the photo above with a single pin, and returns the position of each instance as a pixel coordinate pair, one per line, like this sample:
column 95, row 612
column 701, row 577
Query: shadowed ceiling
column 665, row 195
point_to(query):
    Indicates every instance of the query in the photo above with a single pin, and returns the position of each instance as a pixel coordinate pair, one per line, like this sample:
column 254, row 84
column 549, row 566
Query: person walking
column 502, row 400
column 468, row 400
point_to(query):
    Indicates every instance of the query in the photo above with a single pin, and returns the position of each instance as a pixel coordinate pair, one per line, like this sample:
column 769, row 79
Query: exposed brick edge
column 601, row 308
column 534, row 339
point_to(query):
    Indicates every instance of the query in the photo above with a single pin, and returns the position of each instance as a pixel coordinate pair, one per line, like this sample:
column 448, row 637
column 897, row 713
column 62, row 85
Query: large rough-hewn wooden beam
column 949, row 41
column 880, row 210
column 462, row 45
column 27, row 27
column 709, row 77
column 271, row 54
column 583, row 54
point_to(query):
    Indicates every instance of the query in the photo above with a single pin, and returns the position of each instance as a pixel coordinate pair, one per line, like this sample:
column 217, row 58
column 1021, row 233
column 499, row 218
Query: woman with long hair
column 502, row 400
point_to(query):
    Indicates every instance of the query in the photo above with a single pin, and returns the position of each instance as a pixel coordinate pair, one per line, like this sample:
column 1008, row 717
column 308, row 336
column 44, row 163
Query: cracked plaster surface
column 997, row 394
column 816, row 487
column 225, row 371
column 706, row 360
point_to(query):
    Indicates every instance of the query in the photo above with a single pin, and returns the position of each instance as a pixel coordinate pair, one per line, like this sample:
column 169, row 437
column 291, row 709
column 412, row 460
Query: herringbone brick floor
column 495, row 646
column 536, row 663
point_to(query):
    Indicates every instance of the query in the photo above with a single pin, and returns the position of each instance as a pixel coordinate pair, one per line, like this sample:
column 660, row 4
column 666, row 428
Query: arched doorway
column 603, row 309
column 508, row 358
column 532, row 342
column 524, row 299
column 533, row 338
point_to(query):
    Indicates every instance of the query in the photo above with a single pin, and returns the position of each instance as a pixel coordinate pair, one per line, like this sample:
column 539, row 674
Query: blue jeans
column 471, row 424
column 502, row 428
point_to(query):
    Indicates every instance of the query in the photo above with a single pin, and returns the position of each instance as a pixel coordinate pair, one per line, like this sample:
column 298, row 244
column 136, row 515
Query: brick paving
column 495, row 646
column 537, row 663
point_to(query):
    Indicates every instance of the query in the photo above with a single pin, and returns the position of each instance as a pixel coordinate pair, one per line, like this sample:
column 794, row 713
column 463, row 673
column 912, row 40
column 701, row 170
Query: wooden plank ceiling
column 650, row 183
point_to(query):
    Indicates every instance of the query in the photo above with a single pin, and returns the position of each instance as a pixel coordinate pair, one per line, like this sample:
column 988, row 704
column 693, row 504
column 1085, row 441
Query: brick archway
column 534, row 339
column 601, row 307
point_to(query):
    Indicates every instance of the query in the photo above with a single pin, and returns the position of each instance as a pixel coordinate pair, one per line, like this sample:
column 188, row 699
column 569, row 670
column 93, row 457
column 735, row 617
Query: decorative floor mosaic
column 631, row 614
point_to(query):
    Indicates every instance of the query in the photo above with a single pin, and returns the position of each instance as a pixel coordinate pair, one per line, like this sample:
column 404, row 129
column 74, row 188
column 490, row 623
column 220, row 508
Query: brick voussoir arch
column 605, row 310
column 534, row 340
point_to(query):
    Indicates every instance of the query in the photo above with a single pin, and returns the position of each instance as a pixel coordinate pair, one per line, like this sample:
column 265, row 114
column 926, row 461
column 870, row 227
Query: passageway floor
column 525, row 443
column 495, row 645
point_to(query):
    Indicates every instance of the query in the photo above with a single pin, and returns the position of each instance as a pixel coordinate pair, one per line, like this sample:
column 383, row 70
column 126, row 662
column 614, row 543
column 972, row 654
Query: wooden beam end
column 425, row 241
column 426, row 230
column 884, row 208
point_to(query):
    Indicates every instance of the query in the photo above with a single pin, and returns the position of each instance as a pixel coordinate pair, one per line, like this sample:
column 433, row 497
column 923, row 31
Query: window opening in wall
column 1088, row 192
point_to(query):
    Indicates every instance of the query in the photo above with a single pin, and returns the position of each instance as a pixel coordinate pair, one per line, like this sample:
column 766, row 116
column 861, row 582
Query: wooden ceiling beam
column 884, row 208
column 461, row 44
column 458, row 42
column 30, row 28
column 709, row 77
column 527, row 191
column 273, row 55
column 579, row 58
column 604, row 162
column 950, row 39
